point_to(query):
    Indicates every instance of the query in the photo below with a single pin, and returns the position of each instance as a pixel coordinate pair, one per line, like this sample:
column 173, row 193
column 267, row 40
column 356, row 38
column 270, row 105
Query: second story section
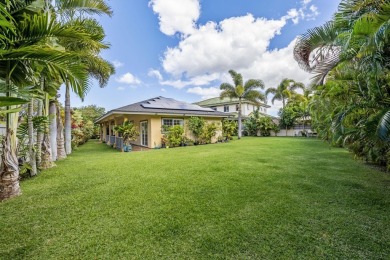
column 231, row 105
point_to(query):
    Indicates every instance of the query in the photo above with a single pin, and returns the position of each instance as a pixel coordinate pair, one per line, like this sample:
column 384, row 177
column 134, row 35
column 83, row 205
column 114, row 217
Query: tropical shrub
column 128, row 131
column 259, row 124
column 229, row 128
column 351, row 106
column 175, row 135
column 208, row 132
column 266, row 125
column 196, row 125
column 91, row 113
column 82, row 130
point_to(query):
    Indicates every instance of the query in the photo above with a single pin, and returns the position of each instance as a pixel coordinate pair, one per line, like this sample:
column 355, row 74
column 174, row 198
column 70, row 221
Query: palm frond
column 91, row 7
column 270, row 91
column 383, row 129
column 253, row 84
column 237, row 78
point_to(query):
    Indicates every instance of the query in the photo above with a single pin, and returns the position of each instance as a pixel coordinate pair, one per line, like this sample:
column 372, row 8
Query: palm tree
column 349, row 56
column 284, row 91
column 72, row 13
column 239, row 90
column 27, row 31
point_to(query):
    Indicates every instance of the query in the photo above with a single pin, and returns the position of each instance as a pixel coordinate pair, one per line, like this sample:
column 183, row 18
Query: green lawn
column 254, row 198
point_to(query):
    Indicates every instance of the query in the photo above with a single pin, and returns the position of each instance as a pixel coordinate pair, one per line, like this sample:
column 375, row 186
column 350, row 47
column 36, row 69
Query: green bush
column 128, row 132
column 229, row 128
column 175, row 135
column 196, row 125
column 208, row 131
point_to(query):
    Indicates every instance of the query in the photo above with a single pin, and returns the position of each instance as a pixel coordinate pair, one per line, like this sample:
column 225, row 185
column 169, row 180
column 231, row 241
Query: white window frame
column 226, row 108
column 175, row 121
column 147, row 133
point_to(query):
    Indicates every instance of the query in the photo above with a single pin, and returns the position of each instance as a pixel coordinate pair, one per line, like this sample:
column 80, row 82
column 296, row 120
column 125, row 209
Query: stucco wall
column 246, row 109
column 154, row 127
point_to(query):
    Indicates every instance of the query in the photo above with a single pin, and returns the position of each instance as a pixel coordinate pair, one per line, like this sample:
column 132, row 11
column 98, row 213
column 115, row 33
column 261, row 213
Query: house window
column 214, row 108
column 237, row 107
column 168, row 122
column 226, row 109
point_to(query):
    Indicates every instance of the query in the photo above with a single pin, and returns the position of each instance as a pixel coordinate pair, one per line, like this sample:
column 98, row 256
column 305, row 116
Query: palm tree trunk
column 68, row 121
column 31, row 150
column 53, row 130
column 284, row 104
column 61, row 154
column 39, row 133
column 9, row 168
column 46, row 161
column 239, row 119
column 39, row 136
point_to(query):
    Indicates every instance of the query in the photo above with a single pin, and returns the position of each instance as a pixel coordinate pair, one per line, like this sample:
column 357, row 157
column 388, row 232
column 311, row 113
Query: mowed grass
column 256, row 198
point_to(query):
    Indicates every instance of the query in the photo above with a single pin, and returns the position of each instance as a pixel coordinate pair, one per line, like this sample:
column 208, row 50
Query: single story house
column 151, row 115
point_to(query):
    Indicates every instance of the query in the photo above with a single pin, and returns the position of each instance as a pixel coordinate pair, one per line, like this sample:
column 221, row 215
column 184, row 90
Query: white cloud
column 303, row 13
column 163, row 90
column 120, row 88
column 176, row 16
column 205, row 93
column 240, row 43
column 155, row 74
column 117, row 64
column 216, row 48
column 129, row 79
column 200, row 80
column 206, row 52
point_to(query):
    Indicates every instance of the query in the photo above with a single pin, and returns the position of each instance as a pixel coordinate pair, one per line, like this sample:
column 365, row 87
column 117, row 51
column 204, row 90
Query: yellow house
column 151, row 115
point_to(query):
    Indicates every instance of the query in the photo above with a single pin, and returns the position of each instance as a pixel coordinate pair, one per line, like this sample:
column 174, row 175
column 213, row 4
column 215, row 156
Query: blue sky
column 183, row 49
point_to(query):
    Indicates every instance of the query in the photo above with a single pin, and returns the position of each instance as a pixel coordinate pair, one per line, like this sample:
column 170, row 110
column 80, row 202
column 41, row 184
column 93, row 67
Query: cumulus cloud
column 205, row 93
column 117, row 64
column 216, row 48
column 176, row 16
column 129, row 79
column 206, row 52
column 240, row 43
column 305, row 12
column 155, row 74
column 200, row 80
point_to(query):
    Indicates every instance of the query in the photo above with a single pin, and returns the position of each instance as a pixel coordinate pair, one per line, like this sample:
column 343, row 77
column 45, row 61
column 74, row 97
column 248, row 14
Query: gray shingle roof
column 191, row 110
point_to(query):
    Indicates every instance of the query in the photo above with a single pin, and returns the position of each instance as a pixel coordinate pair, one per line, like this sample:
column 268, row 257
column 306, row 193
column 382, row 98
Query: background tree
column 239, row 90
column 284, row 91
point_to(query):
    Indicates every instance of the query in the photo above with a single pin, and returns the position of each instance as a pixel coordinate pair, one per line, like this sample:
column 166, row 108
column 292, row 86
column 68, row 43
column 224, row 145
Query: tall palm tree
column 73, row 13
column 284, row 90
column 239, row 90
column 28, row 30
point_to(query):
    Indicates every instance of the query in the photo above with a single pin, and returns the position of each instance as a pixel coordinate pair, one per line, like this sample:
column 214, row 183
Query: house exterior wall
column 246, row 108
column 154, row 127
